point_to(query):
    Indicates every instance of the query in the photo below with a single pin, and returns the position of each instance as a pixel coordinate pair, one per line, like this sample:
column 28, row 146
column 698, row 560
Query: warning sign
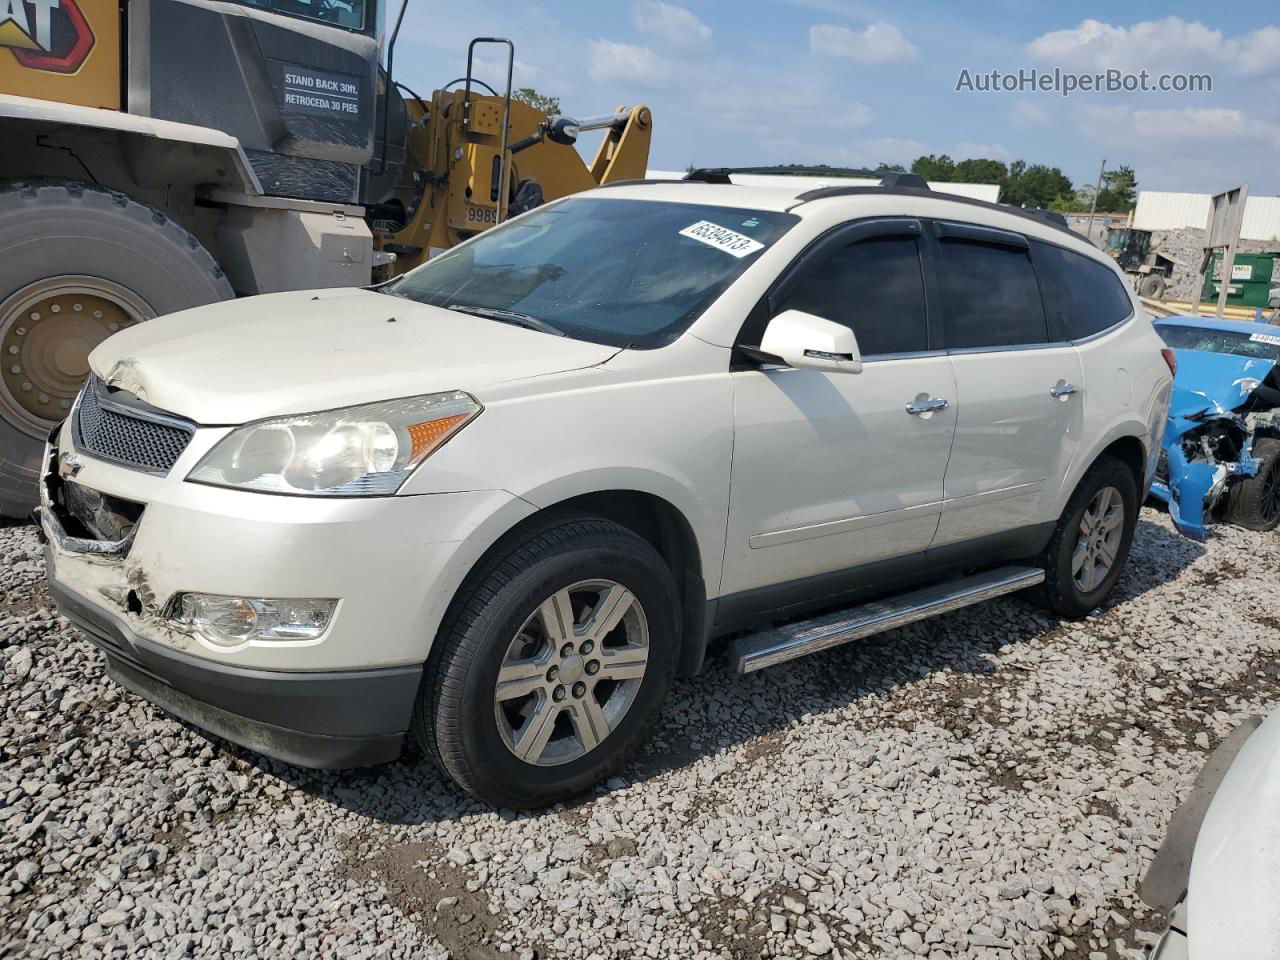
column 303, row 90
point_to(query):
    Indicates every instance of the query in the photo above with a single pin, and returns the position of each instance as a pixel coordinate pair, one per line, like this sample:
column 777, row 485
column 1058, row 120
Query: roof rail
column 897, row 178
column 710, row 175
column 890, row 182
column 1053, row 216
column 1048, row 217
column 891, row 178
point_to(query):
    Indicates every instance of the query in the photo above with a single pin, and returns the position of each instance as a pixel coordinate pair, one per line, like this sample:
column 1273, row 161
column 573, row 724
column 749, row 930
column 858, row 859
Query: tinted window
column 1085, row 295
column 622, row 272
column 990, row 295
column 874, row 287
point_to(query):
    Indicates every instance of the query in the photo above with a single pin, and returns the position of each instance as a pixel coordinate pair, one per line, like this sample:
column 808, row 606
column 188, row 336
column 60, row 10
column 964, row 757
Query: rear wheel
column 80, row 263
column 1091, row 542
column 552, row 664
column 1254, row 502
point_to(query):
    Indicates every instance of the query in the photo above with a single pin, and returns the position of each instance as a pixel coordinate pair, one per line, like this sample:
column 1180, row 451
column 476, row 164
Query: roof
column 1213, row 323
column 879, row 201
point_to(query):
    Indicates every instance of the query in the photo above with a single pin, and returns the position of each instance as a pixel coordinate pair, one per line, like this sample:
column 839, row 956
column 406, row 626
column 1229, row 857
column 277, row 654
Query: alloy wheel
column 572, row 672
column 1098, row 542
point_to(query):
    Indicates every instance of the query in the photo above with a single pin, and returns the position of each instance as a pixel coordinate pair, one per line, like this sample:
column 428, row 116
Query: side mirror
column 806, row 342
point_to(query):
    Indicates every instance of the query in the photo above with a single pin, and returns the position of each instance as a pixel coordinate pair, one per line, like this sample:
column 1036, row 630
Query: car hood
column 1214, row 382
column 287, row 353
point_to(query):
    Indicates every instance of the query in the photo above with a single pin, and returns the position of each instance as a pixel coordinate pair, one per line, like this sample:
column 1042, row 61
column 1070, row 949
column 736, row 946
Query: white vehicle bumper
column 343, row 699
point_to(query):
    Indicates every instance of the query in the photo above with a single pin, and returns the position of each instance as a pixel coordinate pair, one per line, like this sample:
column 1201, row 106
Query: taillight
column 1171, row 359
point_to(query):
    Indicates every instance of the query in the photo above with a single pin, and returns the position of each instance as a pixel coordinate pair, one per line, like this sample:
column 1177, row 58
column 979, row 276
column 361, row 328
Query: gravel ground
column 988, row 784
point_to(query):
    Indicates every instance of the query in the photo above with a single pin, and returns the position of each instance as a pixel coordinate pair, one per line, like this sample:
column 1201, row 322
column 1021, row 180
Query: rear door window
column 990, row 295
column 1084, row 296
column 876, row 288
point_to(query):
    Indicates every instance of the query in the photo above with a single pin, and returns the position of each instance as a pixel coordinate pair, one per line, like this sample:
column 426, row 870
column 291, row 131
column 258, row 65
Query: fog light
column 234, row 621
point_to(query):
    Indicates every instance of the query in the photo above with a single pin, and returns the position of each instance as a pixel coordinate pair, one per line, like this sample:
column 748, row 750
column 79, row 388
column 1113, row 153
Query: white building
column 977, row 191
column 1161, row 210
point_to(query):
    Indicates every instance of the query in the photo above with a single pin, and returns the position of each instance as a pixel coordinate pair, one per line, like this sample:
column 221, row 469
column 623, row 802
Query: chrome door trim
column 992, row 496
column 828, row 528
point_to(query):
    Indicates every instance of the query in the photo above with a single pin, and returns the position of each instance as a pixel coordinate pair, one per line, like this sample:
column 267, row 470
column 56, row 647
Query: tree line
column 1031, row 185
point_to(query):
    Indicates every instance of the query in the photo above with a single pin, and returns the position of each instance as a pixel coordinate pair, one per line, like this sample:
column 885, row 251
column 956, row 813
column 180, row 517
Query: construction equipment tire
column 80, row 262
column 1151, row 286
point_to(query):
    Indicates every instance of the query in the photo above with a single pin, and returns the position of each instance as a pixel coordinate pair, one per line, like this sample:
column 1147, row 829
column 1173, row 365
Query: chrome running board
column 767, row 648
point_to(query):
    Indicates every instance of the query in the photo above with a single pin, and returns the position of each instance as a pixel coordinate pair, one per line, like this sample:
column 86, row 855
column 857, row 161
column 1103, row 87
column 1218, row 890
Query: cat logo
column 46, row 34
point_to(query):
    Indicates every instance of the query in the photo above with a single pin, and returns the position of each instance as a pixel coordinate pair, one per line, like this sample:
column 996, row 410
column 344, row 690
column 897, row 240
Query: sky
column 856, row 83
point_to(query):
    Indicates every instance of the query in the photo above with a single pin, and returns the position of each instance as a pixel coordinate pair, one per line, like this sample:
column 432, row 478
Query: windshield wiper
column 509, row 316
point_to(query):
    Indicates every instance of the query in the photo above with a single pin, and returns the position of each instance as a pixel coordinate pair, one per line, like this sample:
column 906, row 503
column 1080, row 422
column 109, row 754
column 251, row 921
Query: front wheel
column 1091, row 542
column 552, row 664
column 1254, row 502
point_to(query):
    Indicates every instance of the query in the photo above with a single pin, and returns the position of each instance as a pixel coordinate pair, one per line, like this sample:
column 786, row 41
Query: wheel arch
column 1126, row 442
column 653, row 518
column 1130, row 451
column 659, row 522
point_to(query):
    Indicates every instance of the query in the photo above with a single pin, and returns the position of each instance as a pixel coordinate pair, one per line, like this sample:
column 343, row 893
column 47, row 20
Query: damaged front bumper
column 1220, row 405
column 322, row 719
column 120, row 545
column 313, row 719
column 1195, row 474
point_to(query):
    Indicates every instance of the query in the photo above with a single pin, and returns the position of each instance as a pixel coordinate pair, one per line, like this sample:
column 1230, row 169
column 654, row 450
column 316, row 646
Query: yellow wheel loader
column 161, row 154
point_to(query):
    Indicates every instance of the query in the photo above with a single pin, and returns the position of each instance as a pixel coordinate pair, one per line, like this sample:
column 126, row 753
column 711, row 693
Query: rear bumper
column 321, row 719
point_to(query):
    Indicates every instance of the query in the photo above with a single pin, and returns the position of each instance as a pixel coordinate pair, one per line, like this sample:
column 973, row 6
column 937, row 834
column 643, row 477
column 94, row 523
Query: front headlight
column 368, row 450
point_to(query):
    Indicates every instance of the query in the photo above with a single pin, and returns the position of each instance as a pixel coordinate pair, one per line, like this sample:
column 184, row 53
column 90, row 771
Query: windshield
column 1265, row 346
column 343, row 13
column 618, row 272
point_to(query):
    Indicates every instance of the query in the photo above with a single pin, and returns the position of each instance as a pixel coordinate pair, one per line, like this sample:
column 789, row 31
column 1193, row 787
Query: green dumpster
column 1251, row 279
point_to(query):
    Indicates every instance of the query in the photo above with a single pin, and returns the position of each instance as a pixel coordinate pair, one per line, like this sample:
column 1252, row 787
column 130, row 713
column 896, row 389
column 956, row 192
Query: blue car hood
column 1214, row 382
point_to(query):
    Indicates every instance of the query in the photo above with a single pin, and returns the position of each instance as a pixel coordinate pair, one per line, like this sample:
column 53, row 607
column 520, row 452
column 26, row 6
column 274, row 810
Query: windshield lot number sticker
column 722, row 238
column 1270, row 338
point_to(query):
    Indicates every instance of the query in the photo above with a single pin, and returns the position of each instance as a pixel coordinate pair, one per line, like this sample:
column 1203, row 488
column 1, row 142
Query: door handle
column 918, row 407
column 1063, row 390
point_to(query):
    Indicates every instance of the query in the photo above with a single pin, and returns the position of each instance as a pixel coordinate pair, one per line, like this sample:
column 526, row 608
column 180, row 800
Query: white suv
column 502, row 501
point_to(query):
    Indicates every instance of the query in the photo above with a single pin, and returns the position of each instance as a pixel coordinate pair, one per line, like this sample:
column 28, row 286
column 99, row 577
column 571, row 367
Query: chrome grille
column 125, row 432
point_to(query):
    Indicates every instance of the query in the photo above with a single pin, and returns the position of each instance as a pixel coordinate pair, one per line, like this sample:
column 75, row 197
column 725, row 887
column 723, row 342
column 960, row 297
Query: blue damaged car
column 1221, row 456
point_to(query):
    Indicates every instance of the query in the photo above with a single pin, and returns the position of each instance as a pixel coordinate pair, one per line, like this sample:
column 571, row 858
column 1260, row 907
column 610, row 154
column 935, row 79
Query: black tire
column 1060, row 593
column 50, row 228
column 1254, row 502
column 1151, row 286
column 456, row 722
